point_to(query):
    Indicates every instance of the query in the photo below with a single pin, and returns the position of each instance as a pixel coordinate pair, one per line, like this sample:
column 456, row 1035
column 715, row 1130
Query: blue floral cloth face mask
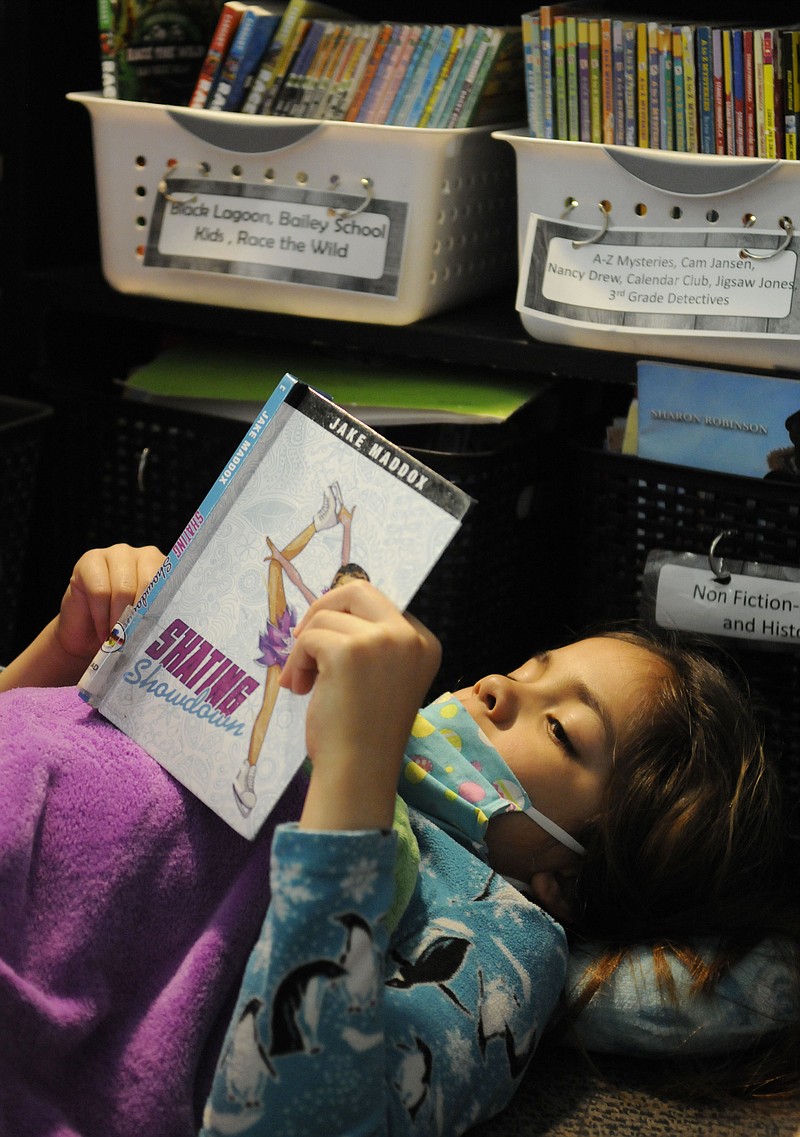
column 452, row 773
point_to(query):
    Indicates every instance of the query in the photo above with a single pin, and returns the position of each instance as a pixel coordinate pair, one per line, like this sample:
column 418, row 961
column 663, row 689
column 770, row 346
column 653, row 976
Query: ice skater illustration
column 275, row 642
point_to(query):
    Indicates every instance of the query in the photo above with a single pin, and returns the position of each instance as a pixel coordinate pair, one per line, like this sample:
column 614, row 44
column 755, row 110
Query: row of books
column 311, row 61
column 699, row 88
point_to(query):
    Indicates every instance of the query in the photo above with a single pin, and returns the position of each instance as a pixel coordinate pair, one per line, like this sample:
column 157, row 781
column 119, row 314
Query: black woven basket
column 624, row 507
column 483, row 599
column 22, row 436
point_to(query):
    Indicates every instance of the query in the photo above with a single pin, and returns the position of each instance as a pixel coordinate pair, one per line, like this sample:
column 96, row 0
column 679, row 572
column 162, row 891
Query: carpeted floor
column 564, row 1097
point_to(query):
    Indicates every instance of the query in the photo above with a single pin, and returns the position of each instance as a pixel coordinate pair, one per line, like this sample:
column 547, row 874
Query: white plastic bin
column 690, row 256
column 347, row 221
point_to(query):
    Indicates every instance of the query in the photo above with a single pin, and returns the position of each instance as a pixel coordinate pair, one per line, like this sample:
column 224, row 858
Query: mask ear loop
column 556, row 831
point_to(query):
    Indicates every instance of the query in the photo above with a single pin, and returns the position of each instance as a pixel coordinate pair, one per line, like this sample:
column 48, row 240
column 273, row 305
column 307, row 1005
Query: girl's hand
column 368, row 667
column 103, row 583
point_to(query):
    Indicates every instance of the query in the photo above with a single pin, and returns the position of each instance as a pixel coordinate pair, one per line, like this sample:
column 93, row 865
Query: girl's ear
column 555, row 892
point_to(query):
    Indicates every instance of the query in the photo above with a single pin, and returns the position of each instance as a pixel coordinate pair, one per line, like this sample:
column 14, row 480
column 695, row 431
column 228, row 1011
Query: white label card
column 683, row 274
column 278, row 233
column 746, row 607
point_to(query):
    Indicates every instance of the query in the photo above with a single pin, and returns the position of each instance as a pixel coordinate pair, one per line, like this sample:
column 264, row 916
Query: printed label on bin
column 689, row 280
column 278, row 233
column 745, row 607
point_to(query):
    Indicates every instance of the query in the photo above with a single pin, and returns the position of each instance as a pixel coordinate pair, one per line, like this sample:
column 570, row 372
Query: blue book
column 711, row 419
column 705, row 90
column 392, row 118
column 256, row 29
column 435, row 64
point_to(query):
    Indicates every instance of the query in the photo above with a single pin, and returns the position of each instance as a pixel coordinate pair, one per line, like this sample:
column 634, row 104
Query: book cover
column 256, row 28
column 229, row 19
column 728, row 421
column 191, row 671
column 152, row 52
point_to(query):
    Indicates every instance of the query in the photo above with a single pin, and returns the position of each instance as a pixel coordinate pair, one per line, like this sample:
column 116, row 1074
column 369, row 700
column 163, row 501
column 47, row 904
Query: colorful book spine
column 629, row 81
column 642, row 86
column 737, row 50
column 409, row 40
column 560, row 76
column 573, row 99
column 108, row 63
column 319, row 97
column 442, row 84
column 465, row 103
column 473, row 34
column 355, row 61
column 705, row 89
column 546, row 25
column 532, row 47
column 228, row 22
column 380, row 79
column 758, row 85
column 584, row 82
column 748, row 57
column 768, row 64
column 679, row 90
column 654, row 86
column 791, row 90
column 607, row 78
column 595, row 81
column 718, row 90
column 286, row 89
column 666, row 97
column 727, row 90
column 690, row 88
column 618, row 79
column 256, row 28
column 377, row 53
column 435, row 64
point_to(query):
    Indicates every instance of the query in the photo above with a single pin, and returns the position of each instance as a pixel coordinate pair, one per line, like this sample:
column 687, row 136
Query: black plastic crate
column 22, row 439
column 624, row 507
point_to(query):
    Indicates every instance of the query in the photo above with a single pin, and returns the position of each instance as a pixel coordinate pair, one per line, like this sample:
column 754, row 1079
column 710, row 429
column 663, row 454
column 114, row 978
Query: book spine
column 409, row 37
column 380, row 75
column 560, row 76
column 758, row 86
column 451, row 88
column 789, row 53
column 584, row 83
column 705, row 80
column 770, row 148
column 595, row 81
column 349, row 79
column 473, row 89
column 573, row 99
column 470, row 79
column 399, row 103
column 546, row 25
column 532, row 47
column 442, row 84
column 370, row 71
column 690, row 88
column 680, row 91
column 286, row 88
column 108, row 62
column 607, row 78
column 666, row 88
column 618, row 63
column 777, row 77
column 654, row 85
column 737, row 53
column 727, row 89
column 629, row 81
column 435, row 65
column 233, row 59
column 276, row 58
column 320, row 103
column 718, row 90
column 211, row 67
column 642, row 87
column 748, row 58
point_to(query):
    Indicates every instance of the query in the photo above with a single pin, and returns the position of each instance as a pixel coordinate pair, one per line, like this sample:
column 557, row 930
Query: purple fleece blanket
column 127, row 912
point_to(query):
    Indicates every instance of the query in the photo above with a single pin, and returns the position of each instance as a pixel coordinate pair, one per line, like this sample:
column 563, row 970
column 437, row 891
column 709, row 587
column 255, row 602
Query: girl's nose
column 497, row 693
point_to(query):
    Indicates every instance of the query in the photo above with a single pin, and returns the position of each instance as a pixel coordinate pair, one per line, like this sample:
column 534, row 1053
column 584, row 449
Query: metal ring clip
column 163, row 187
column 368, row 186
column 721, row 575
column 786, row 224
column 606, row 212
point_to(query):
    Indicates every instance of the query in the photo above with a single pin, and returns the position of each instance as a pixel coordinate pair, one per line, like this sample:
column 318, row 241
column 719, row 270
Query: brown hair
column 690, row 842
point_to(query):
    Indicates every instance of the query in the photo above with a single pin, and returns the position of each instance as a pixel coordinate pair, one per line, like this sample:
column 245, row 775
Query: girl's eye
column 559, row 735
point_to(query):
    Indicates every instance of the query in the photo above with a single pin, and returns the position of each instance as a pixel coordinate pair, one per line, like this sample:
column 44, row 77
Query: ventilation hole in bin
column 236, row 171
column 446, row 186
column 141, row 222
column 141, row 191
column 141, row 161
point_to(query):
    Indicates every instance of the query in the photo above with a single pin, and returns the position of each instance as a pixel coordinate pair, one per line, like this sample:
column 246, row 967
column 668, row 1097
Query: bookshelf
column 74, row 336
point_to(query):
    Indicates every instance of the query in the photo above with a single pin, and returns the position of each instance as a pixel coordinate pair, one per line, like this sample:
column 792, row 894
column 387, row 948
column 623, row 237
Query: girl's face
column 556, row 721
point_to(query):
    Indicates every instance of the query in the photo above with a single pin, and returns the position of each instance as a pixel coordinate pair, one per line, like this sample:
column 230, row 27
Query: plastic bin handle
column 251, row 136
column 697, row 177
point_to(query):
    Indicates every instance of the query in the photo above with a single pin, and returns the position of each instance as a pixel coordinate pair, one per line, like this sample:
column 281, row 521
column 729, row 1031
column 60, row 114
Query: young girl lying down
column 396, row 971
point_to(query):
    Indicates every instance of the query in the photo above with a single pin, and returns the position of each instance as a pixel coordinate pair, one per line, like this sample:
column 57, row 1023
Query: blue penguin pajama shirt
column 348, row 1023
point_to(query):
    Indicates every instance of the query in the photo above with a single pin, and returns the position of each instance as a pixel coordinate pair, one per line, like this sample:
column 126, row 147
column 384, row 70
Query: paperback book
column 728, row 421
column 310, row 498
